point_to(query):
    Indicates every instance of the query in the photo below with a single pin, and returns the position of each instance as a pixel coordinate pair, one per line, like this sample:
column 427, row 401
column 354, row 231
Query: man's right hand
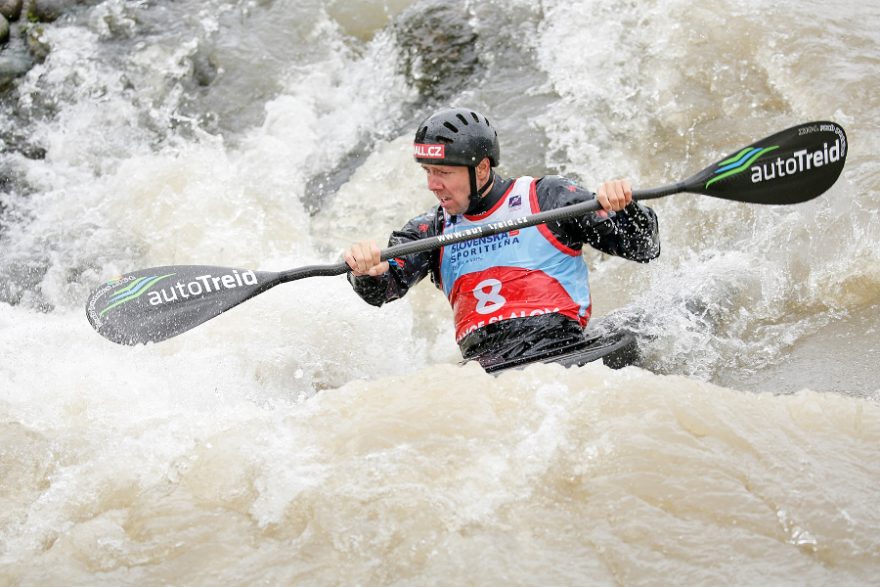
column 364, row 258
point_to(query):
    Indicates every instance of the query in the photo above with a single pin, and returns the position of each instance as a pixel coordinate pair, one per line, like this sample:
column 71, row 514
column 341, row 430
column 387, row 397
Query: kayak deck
column 616, row 349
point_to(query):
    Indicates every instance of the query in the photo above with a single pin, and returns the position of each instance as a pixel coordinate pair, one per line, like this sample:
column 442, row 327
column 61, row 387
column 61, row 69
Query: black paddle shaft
column 480, row 231
column 442, row 240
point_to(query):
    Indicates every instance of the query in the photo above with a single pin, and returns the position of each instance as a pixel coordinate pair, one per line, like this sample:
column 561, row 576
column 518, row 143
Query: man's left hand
column 614, row 195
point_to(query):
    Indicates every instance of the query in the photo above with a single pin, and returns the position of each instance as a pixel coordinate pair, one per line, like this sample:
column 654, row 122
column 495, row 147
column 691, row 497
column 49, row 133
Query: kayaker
column 516, row 294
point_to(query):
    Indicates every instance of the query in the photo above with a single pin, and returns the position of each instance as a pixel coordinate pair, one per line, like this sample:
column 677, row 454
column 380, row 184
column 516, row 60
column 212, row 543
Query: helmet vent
column 450, row 126
column 445, row 140
column 477, row 118
column 462, row 119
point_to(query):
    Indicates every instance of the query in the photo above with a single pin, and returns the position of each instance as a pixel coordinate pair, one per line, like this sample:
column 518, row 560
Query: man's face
column 451, row 185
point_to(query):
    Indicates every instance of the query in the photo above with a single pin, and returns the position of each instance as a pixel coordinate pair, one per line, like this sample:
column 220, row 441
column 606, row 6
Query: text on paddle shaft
column 485, row 229
column 201, row 285
column 799, row 162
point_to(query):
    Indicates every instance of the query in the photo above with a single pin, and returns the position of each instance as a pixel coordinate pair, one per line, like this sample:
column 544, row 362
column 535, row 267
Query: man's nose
column 434, row 183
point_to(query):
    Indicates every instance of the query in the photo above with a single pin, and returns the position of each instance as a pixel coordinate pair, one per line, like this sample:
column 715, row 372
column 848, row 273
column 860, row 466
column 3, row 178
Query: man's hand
column 615, row 195
column 364, row 258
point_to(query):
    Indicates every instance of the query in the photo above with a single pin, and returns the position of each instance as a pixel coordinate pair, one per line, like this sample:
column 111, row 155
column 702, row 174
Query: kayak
column 616, row 349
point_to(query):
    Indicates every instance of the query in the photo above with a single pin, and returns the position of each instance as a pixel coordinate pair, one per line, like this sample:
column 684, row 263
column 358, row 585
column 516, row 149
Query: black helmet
column 457, row 136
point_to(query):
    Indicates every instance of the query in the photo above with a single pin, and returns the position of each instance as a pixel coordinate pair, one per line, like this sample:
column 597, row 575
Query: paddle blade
column 155, row 304
column 789, row 167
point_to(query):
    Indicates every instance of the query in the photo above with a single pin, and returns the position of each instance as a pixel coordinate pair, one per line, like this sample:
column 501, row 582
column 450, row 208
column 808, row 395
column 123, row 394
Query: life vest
column 516, row 274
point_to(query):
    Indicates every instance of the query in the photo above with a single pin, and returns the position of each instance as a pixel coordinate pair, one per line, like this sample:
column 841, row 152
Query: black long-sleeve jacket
column 631, row 233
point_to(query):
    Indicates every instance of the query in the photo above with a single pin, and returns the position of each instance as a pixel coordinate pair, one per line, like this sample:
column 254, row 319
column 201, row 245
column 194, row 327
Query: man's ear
column 483, row 169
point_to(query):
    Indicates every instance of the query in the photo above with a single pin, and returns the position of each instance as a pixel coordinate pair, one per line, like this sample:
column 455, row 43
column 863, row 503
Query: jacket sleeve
column 404, row 272
column 631, row 233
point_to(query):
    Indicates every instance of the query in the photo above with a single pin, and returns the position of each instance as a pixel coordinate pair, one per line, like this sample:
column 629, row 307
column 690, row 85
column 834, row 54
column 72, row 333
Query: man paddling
column 517, row 294
column 527, row 296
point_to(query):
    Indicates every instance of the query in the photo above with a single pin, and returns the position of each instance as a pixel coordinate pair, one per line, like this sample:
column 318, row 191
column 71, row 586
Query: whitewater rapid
column 308, row 438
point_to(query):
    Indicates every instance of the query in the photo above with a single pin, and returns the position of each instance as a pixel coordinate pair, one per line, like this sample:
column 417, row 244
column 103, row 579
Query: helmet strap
column 477, row 194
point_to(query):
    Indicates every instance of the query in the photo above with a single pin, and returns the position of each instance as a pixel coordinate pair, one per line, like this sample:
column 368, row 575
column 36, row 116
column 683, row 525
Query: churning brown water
column 306, row 438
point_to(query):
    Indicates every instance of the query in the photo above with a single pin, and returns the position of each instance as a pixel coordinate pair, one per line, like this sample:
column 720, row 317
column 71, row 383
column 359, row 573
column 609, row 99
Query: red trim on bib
column 546, row 232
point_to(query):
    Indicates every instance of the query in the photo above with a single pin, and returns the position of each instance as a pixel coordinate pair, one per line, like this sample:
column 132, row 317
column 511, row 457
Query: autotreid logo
column 135, row 288
column 799, row 162
column 767, row 169
column 423, row 151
